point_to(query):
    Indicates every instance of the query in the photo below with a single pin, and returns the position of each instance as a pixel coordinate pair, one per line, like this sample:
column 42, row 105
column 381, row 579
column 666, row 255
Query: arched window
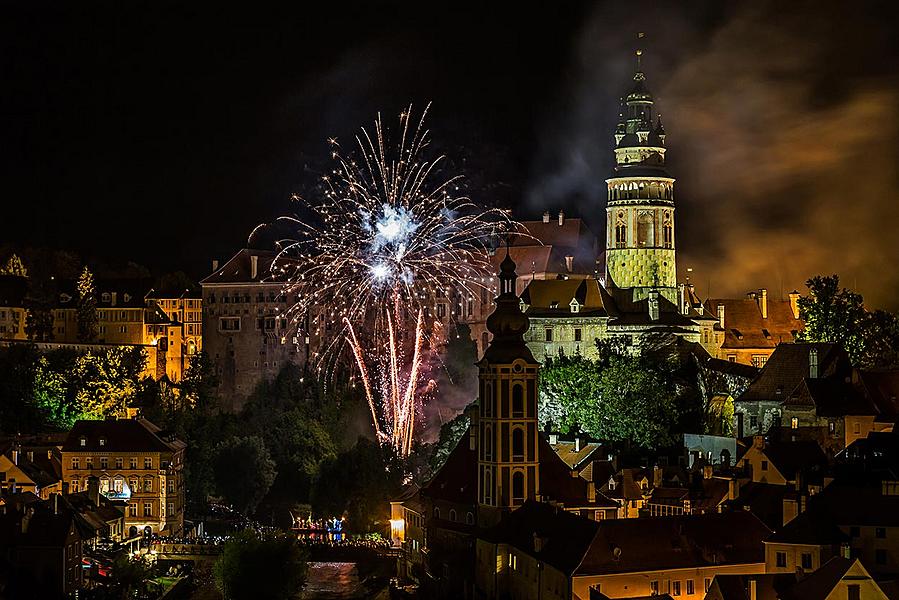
column 645, row 232
column 620, row 231
column 517, row 400
column 517, row 444
column 453, row 515
column 469, row 519
column 517, row 487
column 436, row 512
column 668, row 231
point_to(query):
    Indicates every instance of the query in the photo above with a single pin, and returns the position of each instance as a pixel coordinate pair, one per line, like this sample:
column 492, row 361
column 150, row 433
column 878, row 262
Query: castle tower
column 640, row 204
column 508, row 469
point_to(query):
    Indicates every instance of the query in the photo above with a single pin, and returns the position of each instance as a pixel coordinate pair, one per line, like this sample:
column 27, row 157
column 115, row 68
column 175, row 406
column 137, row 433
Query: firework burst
column 388, row 243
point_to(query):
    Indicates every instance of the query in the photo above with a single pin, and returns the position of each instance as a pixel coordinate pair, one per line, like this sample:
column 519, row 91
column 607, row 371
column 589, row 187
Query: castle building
column 640, row 250
column 637, row 294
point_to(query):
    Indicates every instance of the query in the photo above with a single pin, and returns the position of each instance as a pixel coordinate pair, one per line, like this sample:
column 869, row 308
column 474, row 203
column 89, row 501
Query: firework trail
column 389, row 241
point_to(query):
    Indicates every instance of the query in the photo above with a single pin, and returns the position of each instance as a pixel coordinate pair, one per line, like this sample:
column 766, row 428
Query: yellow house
column 28, row 469
column 135, row 462
column 839, row 579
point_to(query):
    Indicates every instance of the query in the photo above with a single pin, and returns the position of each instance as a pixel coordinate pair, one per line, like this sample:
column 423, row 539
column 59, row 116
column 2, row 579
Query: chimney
column 569, row 263
column 753, row 594
column 26, row 519
column 794, row 303
column 30, row 456
column 591, row 491
column 656, row 476
column 553, row 439
column 707, row 472
column 721, row 315
column 763, row 302
column 682, row 297
column 732, row 489
column 55, row 504
column 254, row 266
column 813, row 363
column 653, row 303
column 114, row 296
column 15, row 456
column 546, row 217
column 561, row 217
column 844, row 551
column 577, row 442
column 93, row 490
column 758, row 441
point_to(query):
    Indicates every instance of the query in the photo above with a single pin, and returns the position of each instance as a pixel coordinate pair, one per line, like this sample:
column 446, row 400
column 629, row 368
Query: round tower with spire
column 640, row 250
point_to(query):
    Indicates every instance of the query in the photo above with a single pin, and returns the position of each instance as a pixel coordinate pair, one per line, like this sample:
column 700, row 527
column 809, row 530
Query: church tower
column 507, row 448
column 640, row 203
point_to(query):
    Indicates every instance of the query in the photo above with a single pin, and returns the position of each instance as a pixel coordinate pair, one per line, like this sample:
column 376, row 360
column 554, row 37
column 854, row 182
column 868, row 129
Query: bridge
column 318, row 552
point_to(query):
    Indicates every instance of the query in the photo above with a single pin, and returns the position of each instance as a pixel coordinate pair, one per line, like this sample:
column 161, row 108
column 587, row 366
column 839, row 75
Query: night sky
column 162, row 134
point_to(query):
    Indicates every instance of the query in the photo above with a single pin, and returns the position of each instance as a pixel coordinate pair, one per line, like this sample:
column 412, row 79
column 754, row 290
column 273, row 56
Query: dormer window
column 104, row 296
column 575, row 306
column 102, row 441
column 554, row 304
column 82, row 441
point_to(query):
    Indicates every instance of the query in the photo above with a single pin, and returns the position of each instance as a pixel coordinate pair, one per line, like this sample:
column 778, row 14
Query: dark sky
column 162, row 134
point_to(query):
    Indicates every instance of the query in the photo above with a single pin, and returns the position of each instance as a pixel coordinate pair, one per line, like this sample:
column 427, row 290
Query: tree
column 450, row 434
column 130, row 577
column 108, row 380
column 14, row 266
column 198, row 387
column 620, row 397
column 261, row 566
column 358, row 484
column 838, row 315
column 244, row 471
column 50, row 394
column 88, row 320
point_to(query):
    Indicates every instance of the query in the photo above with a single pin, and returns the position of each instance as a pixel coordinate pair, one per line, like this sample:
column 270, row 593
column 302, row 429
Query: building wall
column 12, row 323
column 247, row 335
column 564, row 334
column 763, row 470
column 627, row 585
column 792, row 554
column 159, row 485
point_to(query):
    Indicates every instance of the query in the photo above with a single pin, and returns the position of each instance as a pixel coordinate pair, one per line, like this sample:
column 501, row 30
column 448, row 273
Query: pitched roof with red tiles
column 744, row 327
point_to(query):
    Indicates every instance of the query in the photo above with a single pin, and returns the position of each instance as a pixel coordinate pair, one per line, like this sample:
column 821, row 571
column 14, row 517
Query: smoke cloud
column 782, row 129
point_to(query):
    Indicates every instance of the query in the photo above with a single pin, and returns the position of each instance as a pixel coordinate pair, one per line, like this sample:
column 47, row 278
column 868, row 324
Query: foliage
column 720, row 419
column 838, row 315
column 50, row 394
column 199, row 384
column 244, row 471
column 450, row 434
column 357, row 484
column 14, row 266
column 261, row 566
column 620, row 397
column 108, row 380
column 87, row 317
column 130, row 577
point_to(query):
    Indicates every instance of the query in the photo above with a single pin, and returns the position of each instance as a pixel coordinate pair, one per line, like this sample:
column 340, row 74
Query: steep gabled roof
column 744, row 327
column 553, row 298
column 562, row 538
column 788, row 365
column 121, row 435
column 457, row 479
column 821, row 584
column 239, row 269
column 661, row 543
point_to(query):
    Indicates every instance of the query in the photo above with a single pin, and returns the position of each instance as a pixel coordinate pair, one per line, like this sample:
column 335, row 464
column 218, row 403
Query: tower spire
column 638, row 73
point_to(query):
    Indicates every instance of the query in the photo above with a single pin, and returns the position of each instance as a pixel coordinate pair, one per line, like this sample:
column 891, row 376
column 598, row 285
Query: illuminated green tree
column 108, row 380
column 88, row 319
column 51, row 396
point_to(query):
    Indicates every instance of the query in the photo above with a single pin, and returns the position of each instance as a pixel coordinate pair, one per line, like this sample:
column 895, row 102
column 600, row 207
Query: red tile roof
column 744, row 327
